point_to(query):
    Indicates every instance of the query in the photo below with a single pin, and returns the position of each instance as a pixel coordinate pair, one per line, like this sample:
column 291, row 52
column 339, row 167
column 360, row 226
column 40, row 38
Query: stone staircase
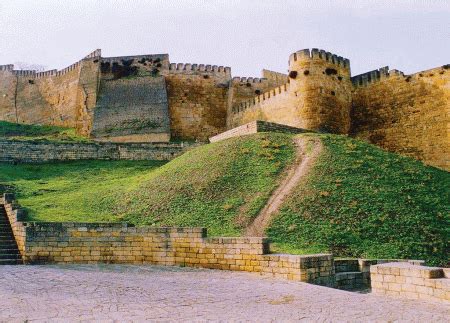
column 348, row 275
column 9, row 253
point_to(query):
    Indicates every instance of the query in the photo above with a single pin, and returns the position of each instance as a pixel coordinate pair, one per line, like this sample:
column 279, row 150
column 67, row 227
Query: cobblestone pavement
column 138, row 293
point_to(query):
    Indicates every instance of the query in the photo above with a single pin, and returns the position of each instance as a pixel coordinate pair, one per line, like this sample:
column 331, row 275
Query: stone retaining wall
column 255, row 127
column 411, row 281
column 42, row 151
column 121, row 243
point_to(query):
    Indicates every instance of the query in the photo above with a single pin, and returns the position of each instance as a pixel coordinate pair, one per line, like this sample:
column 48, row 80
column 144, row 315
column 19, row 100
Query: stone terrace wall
column 121, row 243
column 255, row 127
column 41, row 151
column 411, row 281
column 406, row 114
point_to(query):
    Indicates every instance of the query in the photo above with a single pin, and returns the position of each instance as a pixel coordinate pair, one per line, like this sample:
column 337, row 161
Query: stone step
column 348, row 275
column 346, row 265
column 10, row 256
column 11, row 262
column 8, row 237
column 11, row 245
column 8, row 241
column 8, row 250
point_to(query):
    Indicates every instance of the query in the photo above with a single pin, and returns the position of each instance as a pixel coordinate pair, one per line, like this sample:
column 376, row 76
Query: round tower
column 321, row 83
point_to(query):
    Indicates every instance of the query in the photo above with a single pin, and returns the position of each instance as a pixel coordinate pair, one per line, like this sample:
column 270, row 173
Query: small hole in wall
column 206, row 76
column 431, row 74
column 306, row 72
column 441, row 72
column 95, row 60
column 293, row 74
column 340, row 78
column 420, row 74
column 257, row 92
column 31, row 81
column 408, row 79
column 158, row 65
column 248, row 84
column 333, row 93
column 330, row 71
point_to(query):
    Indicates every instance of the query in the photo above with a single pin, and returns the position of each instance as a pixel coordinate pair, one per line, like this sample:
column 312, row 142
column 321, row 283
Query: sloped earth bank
column 307, row 151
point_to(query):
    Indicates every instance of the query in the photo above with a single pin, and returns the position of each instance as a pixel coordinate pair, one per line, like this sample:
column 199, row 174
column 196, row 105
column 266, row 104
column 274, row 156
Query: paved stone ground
column 138, row 293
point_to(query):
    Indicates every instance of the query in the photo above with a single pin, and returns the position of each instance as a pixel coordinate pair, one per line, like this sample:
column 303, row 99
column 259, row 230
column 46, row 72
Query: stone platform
column 152, row 293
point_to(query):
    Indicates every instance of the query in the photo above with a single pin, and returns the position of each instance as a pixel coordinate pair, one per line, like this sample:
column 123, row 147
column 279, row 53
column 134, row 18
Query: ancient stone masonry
column 255, row 127
column 198, row 97
column 14, row 151
column 408, row 114
column 146, row 98
column 411, row 281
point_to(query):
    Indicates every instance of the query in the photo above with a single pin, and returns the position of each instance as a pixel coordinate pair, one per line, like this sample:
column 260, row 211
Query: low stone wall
column 411, row 281
column 42, row 151
column 255, row 127
column 354, row 274
column 125, row 244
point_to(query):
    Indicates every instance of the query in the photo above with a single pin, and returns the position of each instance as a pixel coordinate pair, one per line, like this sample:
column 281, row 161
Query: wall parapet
column 189, row 68
column 374, row 76
column 242, row 106
column 239, row 79
column 315, row 54
column 8, row 67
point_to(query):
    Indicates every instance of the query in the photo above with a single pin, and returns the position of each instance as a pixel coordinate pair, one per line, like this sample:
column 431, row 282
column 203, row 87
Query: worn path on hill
column 303, row 162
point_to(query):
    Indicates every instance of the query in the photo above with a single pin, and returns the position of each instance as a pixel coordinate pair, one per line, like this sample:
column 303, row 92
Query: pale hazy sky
column 247, row 35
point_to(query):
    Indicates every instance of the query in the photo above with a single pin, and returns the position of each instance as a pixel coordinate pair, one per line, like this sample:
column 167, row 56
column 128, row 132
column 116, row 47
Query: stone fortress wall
column 146, row 98
column 407, row 114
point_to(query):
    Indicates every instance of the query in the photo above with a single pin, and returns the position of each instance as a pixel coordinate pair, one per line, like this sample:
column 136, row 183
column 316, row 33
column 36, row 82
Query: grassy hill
column 358, row 200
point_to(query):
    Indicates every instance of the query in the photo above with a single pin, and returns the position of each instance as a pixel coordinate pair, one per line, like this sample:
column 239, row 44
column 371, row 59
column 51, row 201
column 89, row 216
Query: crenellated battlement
column 374, row 76
column 318, row 54
column 8, row 67
column 45, row 74
column 187, row 68
column 242, row 106
column 244, row 80
column 96, row 53
column 31, row 73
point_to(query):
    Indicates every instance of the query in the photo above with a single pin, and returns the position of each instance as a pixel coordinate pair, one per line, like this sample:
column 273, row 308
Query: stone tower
column 320, row 82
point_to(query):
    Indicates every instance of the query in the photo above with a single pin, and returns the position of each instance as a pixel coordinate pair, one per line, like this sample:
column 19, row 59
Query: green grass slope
column 221, row 186
column 81, row 191
column 19, row 131
column 360, row 200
